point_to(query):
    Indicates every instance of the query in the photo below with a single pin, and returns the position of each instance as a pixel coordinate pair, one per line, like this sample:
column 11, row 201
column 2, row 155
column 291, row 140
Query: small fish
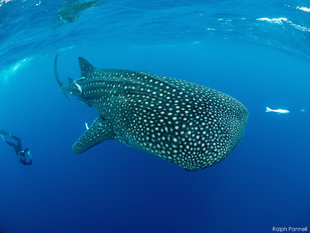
column 78, row 86
column 282, row 111
column 303, row 110
column 86, row 125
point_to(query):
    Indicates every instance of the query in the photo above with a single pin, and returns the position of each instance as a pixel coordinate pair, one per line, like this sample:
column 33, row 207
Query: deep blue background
column 113, row 188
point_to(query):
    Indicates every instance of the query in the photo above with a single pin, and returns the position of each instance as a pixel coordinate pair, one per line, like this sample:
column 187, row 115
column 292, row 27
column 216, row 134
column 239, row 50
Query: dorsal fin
column 85, row 67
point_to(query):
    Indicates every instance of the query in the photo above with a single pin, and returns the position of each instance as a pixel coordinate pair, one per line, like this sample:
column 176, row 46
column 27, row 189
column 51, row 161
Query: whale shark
column 190, row 125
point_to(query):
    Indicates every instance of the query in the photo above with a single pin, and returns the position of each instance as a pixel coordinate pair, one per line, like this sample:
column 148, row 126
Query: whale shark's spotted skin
column 189, row 125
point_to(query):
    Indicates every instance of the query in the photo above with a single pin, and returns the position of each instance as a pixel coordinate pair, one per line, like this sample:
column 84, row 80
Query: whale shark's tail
column 60, row 84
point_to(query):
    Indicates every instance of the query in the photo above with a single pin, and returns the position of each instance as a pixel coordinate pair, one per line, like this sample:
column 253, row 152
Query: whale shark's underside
column 189, row 125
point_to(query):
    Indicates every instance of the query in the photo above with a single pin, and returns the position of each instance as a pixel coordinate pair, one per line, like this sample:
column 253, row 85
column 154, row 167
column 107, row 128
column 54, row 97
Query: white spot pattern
column 189, row 125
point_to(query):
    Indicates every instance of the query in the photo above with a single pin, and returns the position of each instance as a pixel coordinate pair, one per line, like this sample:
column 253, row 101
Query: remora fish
column 189, row 125
column 282, row 111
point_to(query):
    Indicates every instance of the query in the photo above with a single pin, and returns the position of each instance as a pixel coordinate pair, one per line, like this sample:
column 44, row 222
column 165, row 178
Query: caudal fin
column 268, row 109
column 56, row 71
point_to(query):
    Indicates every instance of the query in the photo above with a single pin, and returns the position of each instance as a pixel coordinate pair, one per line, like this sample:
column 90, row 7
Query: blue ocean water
column 255, row 51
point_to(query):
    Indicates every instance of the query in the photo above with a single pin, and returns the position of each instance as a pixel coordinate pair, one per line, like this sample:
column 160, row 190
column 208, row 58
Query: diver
column 24, row 156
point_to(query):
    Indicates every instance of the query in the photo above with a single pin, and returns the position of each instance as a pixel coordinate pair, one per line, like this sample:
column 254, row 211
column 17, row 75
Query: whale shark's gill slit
column 60, row 84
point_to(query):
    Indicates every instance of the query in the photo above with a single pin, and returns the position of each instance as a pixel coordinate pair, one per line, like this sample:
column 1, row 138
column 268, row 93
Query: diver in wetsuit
column 24, row 156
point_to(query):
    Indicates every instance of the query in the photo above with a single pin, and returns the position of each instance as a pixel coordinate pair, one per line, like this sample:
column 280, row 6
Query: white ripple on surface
column 273, row 20
column 3, row 1
column 306, row 9
column 281, row 20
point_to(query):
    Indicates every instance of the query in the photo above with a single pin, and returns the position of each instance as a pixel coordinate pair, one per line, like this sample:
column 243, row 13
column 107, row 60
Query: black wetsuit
column 22, row 155
column 17, row 146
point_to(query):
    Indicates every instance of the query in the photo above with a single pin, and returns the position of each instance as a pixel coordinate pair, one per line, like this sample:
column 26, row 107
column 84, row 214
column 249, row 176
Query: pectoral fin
column 99, row 131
